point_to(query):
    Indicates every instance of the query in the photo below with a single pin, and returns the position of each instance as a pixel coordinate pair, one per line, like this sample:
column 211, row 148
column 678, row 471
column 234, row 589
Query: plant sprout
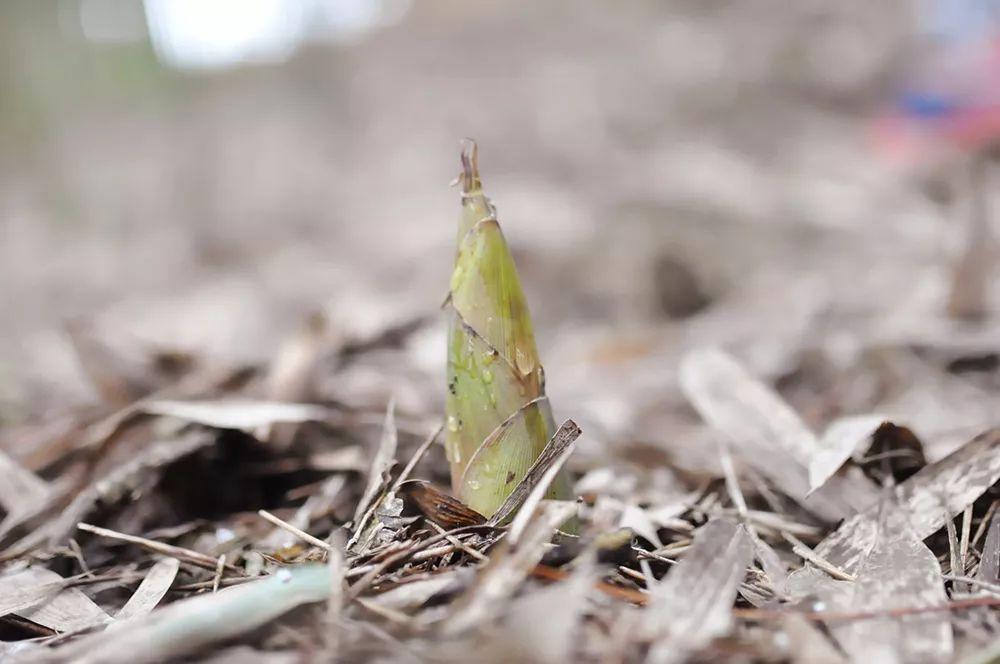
column 499, row 418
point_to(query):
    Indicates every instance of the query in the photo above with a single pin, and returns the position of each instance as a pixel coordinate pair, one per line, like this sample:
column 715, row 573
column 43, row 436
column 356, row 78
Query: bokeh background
column 203, row 175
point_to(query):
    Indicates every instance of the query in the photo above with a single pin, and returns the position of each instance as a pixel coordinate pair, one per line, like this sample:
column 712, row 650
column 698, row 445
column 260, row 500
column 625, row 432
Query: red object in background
column 951, row 106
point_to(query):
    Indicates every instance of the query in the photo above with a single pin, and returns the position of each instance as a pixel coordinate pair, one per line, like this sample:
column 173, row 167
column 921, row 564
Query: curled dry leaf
column 445, row 510
column 154, row 586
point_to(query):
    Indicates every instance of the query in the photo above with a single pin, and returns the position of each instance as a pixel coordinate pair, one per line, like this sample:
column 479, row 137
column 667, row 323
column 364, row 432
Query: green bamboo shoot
column 499, row 418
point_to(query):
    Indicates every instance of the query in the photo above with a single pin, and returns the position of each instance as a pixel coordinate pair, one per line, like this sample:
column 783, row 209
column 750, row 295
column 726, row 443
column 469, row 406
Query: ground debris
column 226, row 522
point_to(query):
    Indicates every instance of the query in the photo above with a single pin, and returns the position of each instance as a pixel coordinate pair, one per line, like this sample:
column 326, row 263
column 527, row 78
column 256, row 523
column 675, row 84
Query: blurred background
column 200, row 177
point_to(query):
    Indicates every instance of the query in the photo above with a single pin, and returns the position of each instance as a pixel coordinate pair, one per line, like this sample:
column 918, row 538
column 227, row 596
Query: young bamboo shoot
column 499, row 418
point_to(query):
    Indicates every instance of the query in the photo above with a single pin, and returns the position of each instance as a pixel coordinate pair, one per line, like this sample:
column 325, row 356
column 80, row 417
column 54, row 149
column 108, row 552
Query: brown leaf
column 441, row 508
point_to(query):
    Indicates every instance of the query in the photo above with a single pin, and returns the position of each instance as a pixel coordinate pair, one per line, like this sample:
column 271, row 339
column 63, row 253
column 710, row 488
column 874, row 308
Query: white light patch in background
column 215, row 34
column 206, row 34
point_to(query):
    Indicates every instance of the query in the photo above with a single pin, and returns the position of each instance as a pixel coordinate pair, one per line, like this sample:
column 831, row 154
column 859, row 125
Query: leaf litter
column 231, row 513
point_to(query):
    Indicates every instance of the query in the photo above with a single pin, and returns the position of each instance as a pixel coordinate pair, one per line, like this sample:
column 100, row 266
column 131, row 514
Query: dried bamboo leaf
column 444, row 510
column 693, row 604
column 774, row 567
column 22, row 493
column 638, row 521
column 292, row 375
column 236, row 414
column 989, row 565
column 842, row 439
column 766, row 432
column 939, row 491
column 899, row 573
column 507, row 569
column 382, row 462
column 154, row 586
column 378, row 482
column 335, row 596
column 185, row 626
column 414, row 594
column 807, row 644
column 18, row 596
column 66, row 610
column 541, row 625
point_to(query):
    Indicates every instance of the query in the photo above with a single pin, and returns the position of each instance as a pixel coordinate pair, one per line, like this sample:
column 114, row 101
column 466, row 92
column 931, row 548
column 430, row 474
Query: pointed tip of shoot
column 470, row 167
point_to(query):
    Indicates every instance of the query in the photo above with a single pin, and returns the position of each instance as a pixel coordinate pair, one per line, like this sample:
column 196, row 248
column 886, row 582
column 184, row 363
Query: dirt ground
column 670, row 176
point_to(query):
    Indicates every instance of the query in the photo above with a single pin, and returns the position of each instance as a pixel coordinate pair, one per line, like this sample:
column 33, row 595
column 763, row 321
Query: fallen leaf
column 767, row 433
column 152, row 589
column 64, row 611
column 923, row 502
column 693, row 604
column 236, row 414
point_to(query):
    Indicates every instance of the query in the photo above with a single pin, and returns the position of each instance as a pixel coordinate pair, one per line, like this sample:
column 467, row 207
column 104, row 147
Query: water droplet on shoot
column 453, row 451
column 487, row 376
column 473, row 484
column 453, row 423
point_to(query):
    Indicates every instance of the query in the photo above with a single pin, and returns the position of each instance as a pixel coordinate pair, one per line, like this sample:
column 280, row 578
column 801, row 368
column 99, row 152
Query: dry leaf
column 842, row 439
column 766, row 432
column 693, row 604
column 378, row 480
column 65, row 611
column 989, row 566
column 22, row 493
column 441, row 508
column 507, row 569
column 154, row 586
column 235, row 414
column 923, row 502
column 899, row 573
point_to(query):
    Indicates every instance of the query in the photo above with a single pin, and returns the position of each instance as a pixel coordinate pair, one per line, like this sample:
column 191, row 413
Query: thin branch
column 301, row 534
